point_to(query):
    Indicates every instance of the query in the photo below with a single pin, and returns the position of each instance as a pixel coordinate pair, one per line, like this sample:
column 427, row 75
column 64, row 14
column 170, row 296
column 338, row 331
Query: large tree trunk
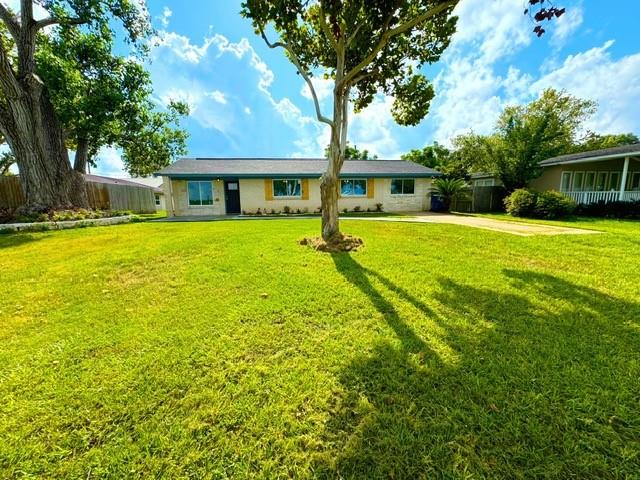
column 330, row 182
column 82, row 156
column 36, row 139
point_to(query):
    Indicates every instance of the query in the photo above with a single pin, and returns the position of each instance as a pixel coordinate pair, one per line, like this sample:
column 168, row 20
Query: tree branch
column 305, row 75
column 10, row 20
column 389, row 34
column 327, row 31
column 45, row 22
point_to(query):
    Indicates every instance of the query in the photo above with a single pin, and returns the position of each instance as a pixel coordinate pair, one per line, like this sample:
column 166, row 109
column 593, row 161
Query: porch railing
column 586, row 198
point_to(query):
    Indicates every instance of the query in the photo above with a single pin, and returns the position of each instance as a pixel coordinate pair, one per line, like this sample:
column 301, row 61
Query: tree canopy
column 104, row 99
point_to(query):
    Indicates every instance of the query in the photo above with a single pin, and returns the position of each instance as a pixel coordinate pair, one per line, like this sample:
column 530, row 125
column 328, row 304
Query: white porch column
column 625, row 173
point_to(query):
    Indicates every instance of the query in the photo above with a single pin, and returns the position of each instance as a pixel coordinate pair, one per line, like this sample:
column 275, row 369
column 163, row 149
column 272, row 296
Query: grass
column 225, row 349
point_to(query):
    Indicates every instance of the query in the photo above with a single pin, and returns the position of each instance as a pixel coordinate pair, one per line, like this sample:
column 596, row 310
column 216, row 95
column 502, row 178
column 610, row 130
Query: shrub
column 449, row 189
column 286, row 210
column 617, row 209
column 357, row 208
column 552, row 204
column 521, row 203
column 549, row 204
column 378, row 207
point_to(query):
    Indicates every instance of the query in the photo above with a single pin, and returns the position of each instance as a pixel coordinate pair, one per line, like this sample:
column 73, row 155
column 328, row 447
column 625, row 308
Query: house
column 601, row 175
column 158, row 191
column 226, row 186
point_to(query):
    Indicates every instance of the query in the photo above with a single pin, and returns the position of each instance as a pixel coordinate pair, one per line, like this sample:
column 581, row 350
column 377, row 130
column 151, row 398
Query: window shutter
column 268, row 189
column 371, row 190
column 305, row 189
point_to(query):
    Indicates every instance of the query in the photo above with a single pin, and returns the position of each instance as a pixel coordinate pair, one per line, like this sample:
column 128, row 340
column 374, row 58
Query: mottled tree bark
column 81, row 159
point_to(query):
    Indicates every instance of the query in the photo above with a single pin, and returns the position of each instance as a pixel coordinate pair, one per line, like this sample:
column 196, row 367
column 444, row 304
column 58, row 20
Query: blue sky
column 247, row 100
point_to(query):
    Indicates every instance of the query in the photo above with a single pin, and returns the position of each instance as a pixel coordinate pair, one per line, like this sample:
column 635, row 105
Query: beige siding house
column 601, row 175
column 209, row 187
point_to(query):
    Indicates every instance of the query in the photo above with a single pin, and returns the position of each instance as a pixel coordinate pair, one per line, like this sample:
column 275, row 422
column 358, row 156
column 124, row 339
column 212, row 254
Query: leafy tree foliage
column 105, row 100
column 433, row 156
column 28, row 119
column 6, row 160
column 594, row 141
column 353, row 153
column 367, row 48
column 449, row 189
column 526, row 135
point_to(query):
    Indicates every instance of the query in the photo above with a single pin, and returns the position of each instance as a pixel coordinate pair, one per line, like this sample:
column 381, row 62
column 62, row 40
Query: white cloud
column 612, row 83
column 322, row 86
column 371, row 129
column 217, row 96
column 109, row 163
column 247, row 110
column 164, row 18
column 566, row 25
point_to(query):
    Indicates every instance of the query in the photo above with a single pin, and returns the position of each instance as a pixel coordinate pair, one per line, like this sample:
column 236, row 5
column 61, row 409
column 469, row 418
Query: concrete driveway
column 515, row 228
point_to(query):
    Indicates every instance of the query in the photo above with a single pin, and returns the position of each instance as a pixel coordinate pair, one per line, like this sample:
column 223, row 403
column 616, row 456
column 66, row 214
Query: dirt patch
column 339, row 243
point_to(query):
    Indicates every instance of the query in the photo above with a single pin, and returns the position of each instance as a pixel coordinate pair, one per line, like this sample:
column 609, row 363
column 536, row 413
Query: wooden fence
column 103, row 196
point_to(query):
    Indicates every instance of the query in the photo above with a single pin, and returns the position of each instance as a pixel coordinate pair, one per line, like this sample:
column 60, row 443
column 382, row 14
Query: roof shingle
column 271, row 167
column 615, row 152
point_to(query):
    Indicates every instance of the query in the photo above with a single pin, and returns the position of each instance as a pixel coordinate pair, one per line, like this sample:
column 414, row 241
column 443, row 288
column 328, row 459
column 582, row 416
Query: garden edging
column 40, row 226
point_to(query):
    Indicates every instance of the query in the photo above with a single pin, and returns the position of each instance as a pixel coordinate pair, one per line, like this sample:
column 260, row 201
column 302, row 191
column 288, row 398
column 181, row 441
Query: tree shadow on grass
column 546, row 384
column 9, row 240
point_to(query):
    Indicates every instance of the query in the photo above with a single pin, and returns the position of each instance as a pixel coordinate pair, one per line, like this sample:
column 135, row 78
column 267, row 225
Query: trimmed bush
column 549, row 204
column 521, row 203
column 628, row 210
column 552, row 204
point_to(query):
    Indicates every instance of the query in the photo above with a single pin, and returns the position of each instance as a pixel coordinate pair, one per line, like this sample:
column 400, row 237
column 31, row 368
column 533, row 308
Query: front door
column 232, row 196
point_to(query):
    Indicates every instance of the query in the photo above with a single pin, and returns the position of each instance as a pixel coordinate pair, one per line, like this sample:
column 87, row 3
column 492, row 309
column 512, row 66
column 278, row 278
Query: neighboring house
column 234, row 186
column 485, row 180
column 158, row 192
column 601, row 175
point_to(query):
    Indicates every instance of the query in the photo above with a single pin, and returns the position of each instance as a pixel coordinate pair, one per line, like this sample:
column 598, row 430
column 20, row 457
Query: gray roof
column 114, row 181
column 594, row 155
column 290, row 167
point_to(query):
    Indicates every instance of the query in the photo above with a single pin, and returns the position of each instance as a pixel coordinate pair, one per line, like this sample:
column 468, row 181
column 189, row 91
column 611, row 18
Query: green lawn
column 227, row 350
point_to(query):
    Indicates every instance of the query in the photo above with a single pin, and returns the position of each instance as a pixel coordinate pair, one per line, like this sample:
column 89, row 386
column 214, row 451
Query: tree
column 28, row 119
column 594, row 141
column 6, row 160
column 433, row 156
column 526, row 135
column 367, row 48
column 352, row 153
column 104, row 99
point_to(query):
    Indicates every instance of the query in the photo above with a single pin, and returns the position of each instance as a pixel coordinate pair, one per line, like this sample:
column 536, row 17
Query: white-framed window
column 634, row 182
column 589, row 181
column 291, row 188
column 157, row 195
column 200, row 193
column 578, row 181
column 353, row 187
column 601, row 181
column 614, row 181
column 565, row 182
column 485, row 182
column 403, row 186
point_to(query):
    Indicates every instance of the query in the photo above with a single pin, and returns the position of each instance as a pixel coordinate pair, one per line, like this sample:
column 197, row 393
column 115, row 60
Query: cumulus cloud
column 109, row 163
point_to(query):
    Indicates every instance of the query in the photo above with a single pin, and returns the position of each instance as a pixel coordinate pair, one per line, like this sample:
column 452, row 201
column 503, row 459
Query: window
column 614, row 180
column 353, row 188
column 565, row 184
column 601, row 181
column 157, row 200
column 287, row 188
column 200, row 193
column 401, row 186
column 634, row 185
column 485, row 182
column 589, row 181
column 578, row 180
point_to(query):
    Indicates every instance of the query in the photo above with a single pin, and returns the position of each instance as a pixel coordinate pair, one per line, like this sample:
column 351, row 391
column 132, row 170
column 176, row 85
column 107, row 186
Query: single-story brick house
column 589, row 177
column 227, row 186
